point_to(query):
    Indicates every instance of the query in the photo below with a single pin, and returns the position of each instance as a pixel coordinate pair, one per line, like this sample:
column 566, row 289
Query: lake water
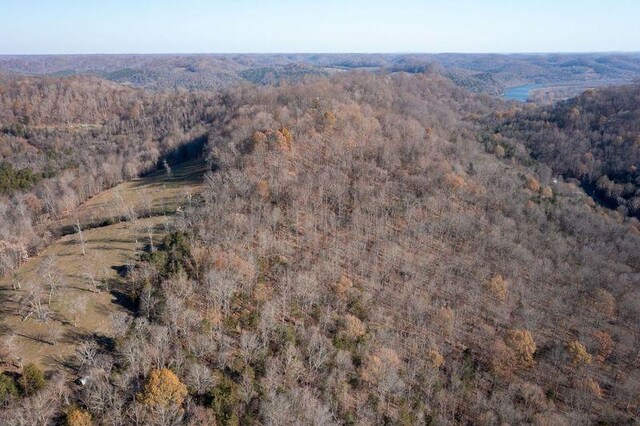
column 519, row 93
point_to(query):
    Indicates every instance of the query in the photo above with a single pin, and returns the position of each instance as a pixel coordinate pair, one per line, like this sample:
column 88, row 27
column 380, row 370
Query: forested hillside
column 487, row 73
column 63, row 140
column 594, row 138
column 362, row 253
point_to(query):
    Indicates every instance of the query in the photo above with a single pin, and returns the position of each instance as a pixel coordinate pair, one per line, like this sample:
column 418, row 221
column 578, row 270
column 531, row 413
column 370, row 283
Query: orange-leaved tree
column 78, row 417
column 163, row 388
column 523, row 346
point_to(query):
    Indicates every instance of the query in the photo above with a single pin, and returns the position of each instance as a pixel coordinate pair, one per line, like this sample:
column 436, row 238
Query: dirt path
column 88, row 289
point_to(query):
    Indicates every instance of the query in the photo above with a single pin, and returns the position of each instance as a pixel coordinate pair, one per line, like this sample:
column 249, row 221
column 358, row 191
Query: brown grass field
column 154, row 194
column 78, row 309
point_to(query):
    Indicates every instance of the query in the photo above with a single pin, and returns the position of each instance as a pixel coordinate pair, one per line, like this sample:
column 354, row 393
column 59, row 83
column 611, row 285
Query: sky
column 307, row 26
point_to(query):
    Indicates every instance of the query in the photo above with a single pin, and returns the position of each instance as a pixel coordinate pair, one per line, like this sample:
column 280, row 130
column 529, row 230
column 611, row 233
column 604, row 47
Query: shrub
column 8, row 388
column 31, row 380
column 163, row 388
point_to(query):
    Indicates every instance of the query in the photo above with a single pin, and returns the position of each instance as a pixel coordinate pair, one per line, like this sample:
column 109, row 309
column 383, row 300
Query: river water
column 519, row 93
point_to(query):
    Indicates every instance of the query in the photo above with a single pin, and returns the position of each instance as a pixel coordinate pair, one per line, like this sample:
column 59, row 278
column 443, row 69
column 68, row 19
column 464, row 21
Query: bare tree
column 50, row 275
column 120, row 322
column 9, row 351
column 32, row 304
column 78, row 308
column 167, row 168
column 149, row 229
column 87, row 352
column 200, row 378
column 15, row 282
column 54, row 332
column 81, row 237
column 145, row 200
column 89, row 274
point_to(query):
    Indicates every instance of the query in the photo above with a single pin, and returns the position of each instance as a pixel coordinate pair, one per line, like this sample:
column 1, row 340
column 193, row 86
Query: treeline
column 63, row 140
column 594, row 138
column 359, row 258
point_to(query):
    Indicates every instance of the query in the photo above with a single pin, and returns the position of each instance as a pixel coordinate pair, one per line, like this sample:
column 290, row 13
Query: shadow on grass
column 74, row 287
column 125, row 300
column 77, row 336
column 106, row 343
column 38, row 339
column 66, row 363
column 122, row 270
column 9, row 308
column 5, row 330
column 94, row 241
column 186, row 173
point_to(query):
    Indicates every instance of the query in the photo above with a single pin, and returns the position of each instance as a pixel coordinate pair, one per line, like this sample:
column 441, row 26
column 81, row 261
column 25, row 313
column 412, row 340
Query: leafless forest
column 486, row 73
column 380, row 247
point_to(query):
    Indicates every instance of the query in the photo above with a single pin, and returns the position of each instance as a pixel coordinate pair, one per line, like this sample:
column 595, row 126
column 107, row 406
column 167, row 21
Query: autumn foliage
column 378, row 267
column 604, row 345
column 522, row 344
column 578, row 353
column 163, row 388
column 497, row 287
column 78, row 417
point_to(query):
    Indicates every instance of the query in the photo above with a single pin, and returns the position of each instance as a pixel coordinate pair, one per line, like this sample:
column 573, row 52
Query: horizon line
column 567, row 52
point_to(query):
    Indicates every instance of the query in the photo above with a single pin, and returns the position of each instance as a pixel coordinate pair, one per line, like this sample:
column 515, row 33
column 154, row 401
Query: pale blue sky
column 231, row 26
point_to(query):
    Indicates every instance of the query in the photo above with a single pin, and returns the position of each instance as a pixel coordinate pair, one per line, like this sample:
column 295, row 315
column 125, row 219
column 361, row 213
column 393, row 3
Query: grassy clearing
column 89, row 288
column 157, row 193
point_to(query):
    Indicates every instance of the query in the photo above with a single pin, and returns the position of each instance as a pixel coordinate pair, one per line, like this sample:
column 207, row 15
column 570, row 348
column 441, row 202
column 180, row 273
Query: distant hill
column 489, row 73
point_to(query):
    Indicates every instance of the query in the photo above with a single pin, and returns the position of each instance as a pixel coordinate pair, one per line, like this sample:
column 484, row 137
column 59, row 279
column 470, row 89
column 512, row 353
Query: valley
column 83, row 276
